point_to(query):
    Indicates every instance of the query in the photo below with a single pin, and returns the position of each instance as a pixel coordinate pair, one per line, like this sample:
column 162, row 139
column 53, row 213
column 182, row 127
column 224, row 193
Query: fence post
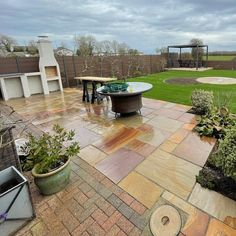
column 150, row 64
column 64, row 64
column 122, row 66
column 17, row 65
column 73, row 60
column 101, row 64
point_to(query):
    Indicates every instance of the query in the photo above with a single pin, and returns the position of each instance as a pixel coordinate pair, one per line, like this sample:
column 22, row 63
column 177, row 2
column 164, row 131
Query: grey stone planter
column 15, row 201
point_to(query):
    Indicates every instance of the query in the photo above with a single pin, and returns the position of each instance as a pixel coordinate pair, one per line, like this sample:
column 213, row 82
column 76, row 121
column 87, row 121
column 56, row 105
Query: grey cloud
column 144, row 25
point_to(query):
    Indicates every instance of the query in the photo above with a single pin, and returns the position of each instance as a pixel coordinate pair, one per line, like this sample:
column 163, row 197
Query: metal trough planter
column 15, row 201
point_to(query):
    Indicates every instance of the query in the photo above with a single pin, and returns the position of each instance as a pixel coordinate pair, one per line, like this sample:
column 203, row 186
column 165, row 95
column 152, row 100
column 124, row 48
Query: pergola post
column 207, row 57
column 197, row 58
column 168, row 52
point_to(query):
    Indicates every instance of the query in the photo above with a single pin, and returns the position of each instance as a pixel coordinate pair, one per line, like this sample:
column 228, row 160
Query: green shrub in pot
column 50, row 155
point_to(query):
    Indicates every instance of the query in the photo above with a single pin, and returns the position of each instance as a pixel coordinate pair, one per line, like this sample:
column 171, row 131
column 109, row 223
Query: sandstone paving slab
column 165, row 123
column 170, row 172
column 195, row 149
column 179, row 136
column 180, row 107
column 141, row 188
column 169, row 105
column 92, row 155
column 119, row 164
column 85, row 137
column 170, row 113
column 197, row 221
column 146, row 128
column 189, row 126
column 230, row 221
column 168, row 146
column 145, row 111
column 213, row 203
column 144, row 149
column 131, row 121
column 153, row 104
column 188, row 118
column 154, row 137
column 120, row 138
column 218, row 228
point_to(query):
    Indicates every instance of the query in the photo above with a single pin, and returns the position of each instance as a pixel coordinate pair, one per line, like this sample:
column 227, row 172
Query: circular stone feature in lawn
column 165, row 221
column 183, row 80
column 216, row 80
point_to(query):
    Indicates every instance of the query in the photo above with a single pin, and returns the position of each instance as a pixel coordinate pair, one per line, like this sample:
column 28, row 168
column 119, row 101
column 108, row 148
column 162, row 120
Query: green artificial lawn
column 220, row 58
column 182, row 93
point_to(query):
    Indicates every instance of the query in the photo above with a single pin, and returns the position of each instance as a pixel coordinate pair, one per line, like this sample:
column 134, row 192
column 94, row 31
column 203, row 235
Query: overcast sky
column 144, row 25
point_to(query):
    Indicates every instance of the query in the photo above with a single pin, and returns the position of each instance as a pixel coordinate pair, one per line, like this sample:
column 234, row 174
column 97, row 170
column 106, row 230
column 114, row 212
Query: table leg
column 94, row 91
column 85, row 91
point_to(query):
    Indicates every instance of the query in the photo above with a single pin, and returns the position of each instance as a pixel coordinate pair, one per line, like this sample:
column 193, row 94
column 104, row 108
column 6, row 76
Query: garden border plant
column 219, row 172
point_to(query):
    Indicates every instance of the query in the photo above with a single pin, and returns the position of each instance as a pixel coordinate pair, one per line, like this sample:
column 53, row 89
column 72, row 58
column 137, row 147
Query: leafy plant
column 50, row 152
column 206, row 179
column 202, row 101
column 225, row 156
column 216, row 123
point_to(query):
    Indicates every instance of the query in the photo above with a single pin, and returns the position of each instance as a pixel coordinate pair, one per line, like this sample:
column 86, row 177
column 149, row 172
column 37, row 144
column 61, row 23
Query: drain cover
column 165, row 221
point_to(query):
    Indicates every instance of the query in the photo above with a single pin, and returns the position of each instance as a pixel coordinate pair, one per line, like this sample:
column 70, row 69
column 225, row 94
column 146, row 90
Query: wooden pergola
column 188, row 46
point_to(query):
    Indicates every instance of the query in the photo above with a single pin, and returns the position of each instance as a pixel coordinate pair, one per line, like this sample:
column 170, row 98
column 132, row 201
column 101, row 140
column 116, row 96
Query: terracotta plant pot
column 54, row 181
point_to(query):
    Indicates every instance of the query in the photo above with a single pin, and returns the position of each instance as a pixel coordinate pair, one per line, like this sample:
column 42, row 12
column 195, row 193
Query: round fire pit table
column 128, row 101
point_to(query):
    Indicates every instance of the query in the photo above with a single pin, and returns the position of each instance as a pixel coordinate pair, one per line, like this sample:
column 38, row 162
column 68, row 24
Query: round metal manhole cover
column 165, row 221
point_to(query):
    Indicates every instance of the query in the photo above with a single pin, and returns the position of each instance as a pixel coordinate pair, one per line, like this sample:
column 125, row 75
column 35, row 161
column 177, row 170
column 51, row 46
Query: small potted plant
column 50, row 155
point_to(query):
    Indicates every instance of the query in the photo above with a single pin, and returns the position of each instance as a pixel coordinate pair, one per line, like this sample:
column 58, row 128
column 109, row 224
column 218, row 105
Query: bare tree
column 6, row 45
column 195, row 51
column 85, row 45
column 123, row 48
column 135, row 64
column 161, row 50
column 32, row 47
column 7, row 42
column 115, row 46
column 86, row 48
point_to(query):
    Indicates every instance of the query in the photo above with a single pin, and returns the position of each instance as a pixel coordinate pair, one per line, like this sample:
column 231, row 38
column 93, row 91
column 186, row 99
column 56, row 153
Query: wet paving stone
column 119, row 164
column 199, row 151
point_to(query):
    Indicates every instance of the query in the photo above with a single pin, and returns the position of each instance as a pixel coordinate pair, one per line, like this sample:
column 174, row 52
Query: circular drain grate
column 165, row 221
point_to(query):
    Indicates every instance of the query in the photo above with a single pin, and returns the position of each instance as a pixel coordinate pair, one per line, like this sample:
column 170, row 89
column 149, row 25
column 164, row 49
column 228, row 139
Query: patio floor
column 126, row 168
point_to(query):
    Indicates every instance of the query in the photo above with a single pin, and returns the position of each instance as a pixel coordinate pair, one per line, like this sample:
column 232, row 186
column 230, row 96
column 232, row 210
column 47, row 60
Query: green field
column 181, row 93
column 220, row 58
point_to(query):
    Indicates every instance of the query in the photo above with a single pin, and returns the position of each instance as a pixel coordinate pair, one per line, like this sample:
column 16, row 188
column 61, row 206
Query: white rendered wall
column 14, row 87
column 53, row 85
column 35, row 84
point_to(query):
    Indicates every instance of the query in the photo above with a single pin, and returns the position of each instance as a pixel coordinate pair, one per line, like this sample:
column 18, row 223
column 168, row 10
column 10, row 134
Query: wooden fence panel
column 71, row 66
column 8, row 65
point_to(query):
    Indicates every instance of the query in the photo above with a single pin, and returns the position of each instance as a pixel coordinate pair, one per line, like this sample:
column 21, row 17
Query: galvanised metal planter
column 16, row 207
column 54, row 181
